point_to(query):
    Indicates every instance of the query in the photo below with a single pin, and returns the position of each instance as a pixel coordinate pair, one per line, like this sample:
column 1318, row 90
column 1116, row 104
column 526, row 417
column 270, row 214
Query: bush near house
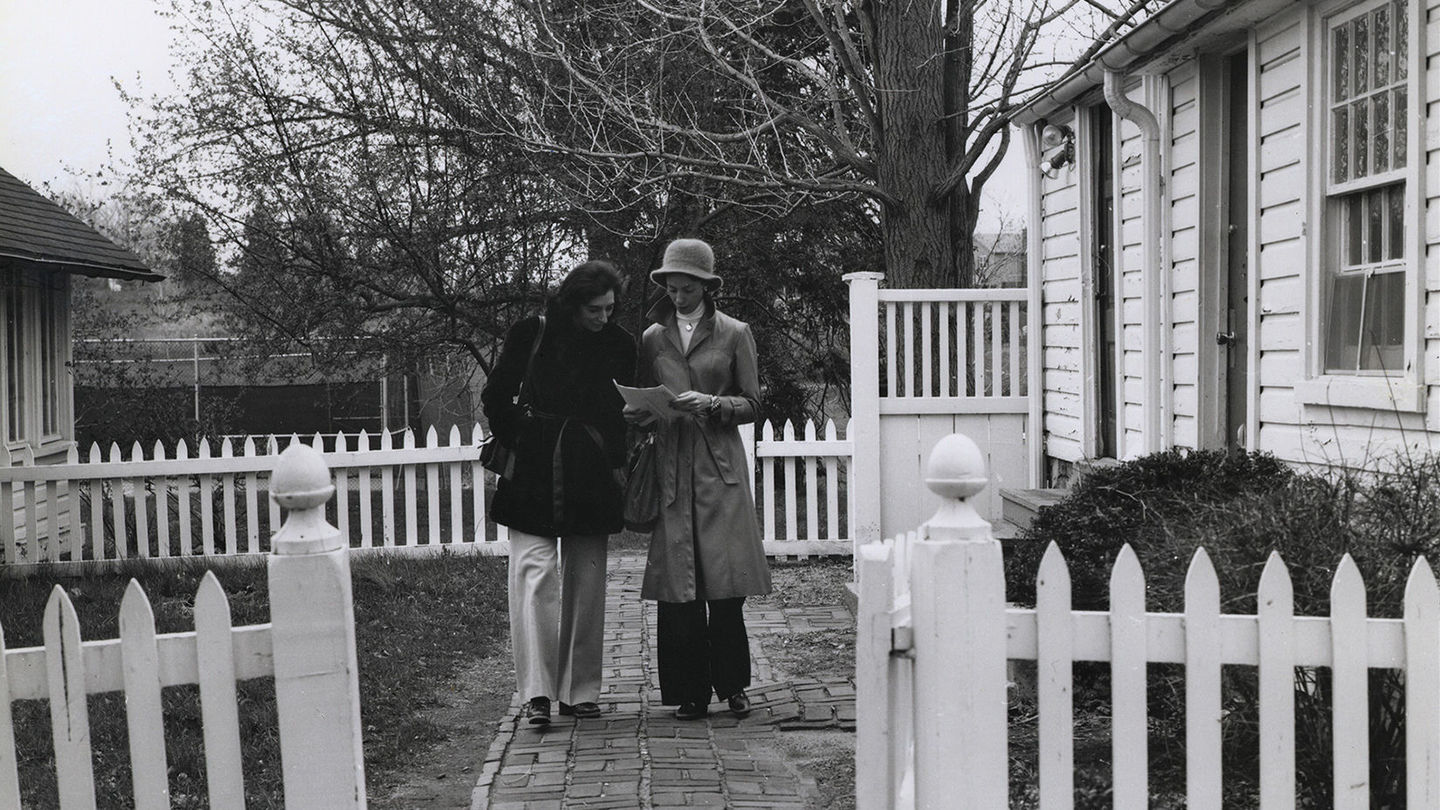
column 1240, row 508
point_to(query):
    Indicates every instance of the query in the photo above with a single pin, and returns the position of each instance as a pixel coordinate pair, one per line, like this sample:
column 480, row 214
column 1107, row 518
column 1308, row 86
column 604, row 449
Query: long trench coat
column 706, row 543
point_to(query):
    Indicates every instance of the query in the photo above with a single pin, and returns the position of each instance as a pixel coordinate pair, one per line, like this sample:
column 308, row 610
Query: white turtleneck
column 687, row 325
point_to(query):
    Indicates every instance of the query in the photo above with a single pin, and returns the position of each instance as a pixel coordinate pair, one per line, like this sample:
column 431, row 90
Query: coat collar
column 663, row 313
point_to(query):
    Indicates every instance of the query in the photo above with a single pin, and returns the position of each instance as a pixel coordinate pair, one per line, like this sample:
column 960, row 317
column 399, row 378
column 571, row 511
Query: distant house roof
column 38, row 233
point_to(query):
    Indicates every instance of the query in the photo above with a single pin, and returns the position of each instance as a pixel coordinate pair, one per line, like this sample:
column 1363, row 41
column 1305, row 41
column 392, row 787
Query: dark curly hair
column 583, row 284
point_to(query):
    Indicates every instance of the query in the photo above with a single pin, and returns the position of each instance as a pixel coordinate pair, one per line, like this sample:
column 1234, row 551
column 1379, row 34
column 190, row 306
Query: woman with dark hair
column 706, row 554
column 563, row 499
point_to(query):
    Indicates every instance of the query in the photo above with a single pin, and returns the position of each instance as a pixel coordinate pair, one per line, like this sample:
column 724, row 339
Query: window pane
column 1375, row 226
column 1342, row 338
column 1341, row 146
column 1382, row 132
column 1402, row 43
column 1400, row 126
column 1359, row 120
column 1396, row 199
column 1354, row 234
column 1382, row 46
column 1342, row 63
column 1362, row 55
column 1382, row 338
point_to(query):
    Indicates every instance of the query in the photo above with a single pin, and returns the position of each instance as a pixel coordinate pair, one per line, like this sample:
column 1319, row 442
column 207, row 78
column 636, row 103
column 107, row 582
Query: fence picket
column 387, row 494
column 477, row 487
column 141, row 510
column 219, row 712
column 117, row 506
column 72, row 495
column 1129, row 740
column 908, row 366
column 32, row 524
column 8, row 529
column 457, row 501
column 1351, row 691
column 1054, row 636
column 962, row 350
column 792, row 530
column 812, row 491
column 767, row 434
column 832, row 487
column 367, row 512
column 69, row 719
column 1422, row 687
column 140, row 663
column 182, row 507
column 412, row 523
column 272, row 449
column 207, row 503
column 997, row 345
column 927, row 353
column 1276, row 612
column 1202, row 683
column 162, row 505
column 9, row 764
column 946, row 380
column 341, row 477
column 432, row 491
column 48, row 492
column 892, row 352
column 252, row 502
column 977, row 359
column 227, row 500
column 1017, row 374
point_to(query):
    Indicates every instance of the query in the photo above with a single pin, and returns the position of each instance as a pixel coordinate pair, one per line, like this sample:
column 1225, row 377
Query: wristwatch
column 714, row 405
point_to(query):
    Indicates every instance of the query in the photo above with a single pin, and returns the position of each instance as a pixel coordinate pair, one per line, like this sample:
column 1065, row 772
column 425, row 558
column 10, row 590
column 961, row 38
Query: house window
column 34, row 346
column 1366, row 168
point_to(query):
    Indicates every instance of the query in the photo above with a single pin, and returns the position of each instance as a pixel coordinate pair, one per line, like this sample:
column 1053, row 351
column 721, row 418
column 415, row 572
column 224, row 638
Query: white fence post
column 957, row 607
column 317, row 691
column 864, row 468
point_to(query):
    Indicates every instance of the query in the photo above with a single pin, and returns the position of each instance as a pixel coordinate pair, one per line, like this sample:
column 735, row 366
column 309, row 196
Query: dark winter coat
column 707, row 512
column 572, row 405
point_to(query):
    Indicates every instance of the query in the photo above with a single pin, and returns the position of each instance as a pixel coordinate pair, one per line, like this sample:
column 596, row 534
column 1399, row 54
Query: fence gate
column 925, row 364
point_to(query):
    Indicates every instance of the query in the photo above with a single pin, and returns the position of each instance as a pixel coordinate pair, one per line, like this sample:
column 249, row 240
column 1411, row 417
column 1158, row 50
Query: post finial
column 301, row 484
column 301, row 479
column 956, row 472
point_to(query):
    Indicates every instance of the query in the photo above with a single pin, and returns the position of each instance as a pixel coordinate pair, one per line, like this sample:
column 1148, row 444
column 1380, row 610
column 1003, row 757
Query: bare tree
column 902, row 102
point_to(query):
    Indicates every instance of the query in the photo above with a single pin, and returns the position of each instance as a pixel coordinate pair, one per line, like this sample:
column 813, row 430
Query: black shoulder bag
column 494, row 456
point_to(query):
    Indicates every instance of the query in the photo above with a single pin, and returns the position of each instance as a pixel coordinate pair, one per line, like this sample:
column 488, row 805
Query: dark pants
column 700, row 653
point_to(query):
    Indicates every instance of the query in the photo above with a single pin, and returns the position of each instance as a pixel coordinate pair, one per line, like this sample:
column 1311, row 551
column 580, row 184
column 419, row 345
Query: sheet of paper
column 655, row 400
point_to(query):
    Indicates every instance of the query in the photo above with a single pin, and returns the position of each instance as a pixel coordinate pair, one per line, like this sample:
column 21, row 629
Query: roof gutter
column 1135, row 48
column 85, row 268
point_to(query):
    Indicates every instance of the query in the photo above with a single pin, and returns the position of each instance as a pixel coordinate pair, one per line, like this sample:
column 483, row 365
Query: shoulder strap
column 530, row 362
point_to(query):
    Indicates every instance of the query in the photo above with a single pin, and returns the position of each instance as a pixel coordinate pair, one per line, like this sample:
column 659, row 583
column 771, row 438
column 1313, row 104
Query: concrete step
column 1021, row 506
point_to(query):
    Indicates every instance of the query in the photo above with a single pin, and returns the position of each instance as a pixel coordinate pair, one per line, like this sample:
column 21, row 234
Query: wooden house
column 41, row 248
column 1233, row 234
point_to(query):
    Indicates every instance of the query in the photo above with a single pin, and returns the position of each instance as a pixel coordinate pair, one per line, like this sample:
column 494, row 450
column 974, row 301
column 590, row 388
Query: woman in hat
column 563, row 499
column 706, row 554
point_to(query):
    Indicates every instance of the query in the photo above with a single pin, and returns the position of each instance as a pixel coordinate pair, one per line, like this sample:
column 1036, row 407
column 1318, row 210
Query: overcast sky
column 59, row 109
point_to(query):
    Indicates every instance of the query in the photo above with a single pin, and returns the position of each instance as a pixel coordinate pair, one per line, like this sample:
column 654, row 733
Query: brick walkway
column 637, row 755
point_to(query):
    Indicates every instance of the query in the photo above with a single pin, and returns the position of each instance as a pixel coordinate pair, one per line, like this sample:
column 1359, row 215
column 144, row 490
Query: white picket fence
column 308, row 648
column 935, row 638
column 401, row 497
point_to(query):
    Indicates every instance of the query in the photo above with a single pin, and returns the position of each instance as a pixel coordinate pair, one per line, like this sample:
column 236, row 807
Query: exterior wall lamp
column 1057, row 149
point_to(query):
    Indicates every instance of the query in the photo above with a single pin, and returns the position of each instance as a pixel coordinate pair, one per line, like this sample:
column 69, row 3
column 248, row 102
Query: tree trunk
column 917, row 228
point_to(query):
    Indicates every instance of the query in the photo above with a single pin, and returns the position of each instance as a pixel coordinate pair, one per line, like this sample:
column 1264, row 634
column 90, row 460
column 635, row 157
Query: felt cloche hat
column 692, row 257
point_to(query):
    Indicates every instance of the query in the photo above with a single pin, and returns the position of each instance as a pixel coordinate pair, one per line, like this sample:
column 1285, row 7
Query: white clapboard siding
column 892, row 743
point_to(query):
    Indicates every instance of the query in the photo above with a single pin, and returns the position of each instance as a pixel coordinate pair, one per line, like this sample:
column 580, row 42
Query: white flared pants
column 557, row 615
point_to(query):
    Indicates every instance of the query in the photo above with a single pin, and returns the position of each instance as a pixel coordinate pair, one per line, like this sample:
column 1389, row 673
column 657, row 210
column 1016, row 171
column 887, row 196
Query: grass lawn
column 418, row 622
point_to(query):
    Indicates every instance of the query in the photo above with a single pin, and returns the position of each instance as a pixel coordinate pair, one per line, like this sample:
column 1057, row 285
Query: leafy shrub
column 1241, row 508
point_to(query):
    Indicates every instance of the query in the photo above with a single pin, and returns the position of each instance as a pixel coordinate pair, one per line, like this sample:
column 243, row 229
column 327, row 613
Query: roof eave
column 95, row 270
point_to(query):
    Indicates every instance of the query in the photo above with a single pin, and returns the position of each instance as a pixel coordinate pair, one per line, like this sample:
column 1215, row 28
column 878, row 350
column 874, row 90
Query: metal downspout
column 1034, row 309
column 1152, row 271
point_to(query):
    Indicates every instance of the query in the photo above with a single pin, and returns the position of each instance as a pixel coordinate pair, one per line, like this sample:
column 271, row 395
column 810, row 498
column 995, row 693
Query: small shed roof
column 36, row 232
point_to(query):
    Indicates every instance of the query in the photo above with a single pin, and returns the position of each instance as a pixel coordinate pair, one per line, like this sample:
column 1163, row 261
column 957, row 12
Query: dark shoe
column 582, row 709
column 691, row 711
column 537, row 711
column 739, row 703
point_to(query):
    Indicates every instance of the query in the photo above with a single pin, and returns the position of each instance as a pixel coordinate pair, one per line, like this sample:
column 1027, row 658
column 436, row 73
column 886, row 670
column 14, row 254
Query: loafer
column 691, row 711
column 582, row 709
column 739, row 703
column 537, row 711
